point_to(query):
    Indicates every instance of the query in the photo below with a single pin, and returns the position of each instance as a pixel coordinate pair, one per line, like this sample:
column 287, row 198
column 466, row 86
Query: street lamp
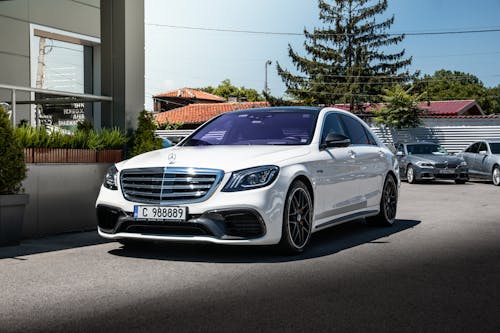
column 266, row 88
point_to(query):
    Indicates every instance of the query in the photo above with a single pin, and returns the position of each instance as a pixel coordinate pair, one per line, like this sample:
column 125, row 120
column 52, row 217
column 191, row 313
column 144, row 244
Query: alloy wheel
column 299, row 217
column 496, row 176
column 390, row 200
column 410, row 175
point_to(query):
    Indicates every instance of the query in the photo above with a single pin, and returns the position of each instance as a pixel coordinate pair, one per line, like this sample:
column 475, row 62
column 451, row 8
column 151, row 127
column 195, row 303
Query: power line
column 256, row 32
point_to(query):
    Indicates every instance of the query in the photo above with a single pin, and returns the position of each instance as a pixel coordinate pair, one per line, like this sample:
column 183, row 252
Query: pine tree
column 144, row 138
column 346, row 62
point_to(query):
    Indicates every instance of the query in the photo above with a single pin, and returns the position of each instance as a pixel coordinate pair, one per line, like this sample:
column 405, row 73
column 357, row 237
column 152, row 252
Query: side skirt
column 346, row 218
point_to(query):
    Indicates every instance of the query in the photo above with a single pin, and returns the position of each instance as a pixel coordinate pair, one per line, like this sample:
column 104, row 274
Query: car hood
column 429, row 158
column 227, row 158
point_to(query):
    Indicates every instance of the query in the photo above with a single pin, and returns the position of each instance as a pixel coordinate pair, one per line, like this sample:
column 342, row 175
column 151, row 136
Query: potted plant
column 12, row 173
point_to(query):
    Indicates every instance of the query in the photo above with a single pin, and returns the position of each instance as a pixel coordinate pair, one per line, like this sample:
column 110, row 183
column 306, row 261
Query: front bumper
column 247, row 217
column 234, row 226
column 438, row 173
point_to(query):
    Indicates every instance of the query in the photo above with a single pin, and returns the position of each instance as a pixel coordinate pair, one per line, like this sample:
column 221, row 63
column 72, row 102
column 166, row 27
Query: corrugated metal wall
column 453, row 138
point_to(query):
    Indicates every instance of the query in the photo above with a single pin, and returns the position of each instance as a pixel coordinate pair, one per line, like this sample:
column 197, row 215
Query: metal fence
column 452, row 138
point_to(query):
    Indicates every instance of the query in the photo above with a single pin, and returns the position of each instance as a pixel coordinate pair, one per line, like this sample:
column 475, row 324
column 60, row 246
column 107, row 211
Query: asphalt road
column 436, row 270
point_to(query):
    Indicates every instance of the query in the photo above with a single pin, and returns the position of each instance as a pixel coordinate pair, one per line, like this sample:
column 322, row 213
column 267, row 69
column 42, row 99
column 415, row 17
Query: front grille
column 446, row 165
column 169, row 185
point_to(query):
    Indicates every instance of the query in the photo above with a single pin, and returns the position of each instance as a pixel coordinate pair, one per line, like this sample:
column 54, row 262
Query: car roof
column 419, row 143
column 310, row 109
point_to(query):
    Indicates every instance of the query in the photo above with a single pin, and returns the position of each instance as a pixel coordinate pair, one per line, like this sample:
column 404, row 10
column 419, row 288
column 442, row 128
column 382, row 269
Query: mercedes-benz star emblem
column 171, row 158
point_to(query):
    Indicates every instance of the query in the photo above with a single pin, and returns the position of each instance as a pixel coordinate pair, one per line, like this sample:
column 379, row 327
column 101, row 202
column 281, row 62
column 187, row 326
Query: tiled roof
column 446, row 108
column 191, row 93
column 199, row 113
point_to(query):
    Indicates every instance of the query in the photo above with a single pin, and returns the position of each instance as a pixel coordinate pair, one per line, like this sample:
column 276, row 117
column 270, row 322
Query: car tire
column 410, row 175
column 297, row 219
column 460, row 181
column 495, row 175
column 388, row 204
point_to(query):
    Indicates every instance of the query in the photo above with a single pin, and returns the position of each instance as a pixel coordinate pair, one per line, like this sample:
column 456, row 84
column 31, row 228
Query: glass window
column 495, row 148
column 426, row 149
column 257, row 128
column 473, row 148
column 482, row 146
column 356, row 131
column 401, row 148
column 63, row 66
column 332, row 124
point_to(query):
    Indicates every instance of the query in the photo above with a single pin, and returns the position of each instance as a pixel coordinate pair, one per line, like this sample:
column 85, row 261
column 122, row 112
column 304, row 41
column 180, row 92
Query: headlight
column 110, row 179
column 249, row 179
column 424, row 164
column 463, row 163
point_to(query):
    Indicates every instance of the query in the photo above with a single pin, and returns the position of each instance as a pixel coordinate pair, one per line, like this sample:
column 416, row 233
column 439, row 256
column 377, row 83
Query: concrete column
column 122, row 61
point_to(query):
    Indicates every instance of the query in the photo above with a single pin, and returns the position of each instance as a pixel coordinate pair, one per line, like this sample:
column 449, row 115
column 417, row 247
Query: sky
column 177, row 57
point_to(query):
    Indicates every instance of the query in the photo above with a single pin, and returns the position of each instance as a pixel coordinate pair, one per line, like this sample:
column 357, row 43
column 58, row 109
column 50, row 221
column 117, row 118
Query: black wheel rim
column 390, row 200
column 299, row 217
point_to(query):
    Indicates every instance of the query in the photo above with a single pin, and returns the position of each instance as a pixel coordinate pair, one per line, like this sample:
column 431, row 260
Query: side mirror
column 483, row 152
column 400, row 154
column 336, row 140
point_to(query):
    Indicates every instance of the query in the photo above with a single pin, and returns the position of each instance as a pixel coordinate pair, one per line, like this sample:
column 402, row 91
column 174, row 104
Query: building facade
column 77, row 48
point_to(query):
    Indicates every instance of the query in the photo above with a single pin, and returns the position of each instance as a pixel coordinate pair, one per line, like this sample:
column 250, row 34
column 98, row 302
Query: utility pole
column 266, row 88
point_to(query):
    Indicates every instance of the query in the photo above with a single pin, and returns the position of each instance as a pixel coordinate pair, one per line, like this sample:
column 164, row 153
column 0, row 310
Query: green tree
column 346, row 60
column 226, row 89
column 446, row 85
column 401, row 110
column 144, row 138
column 12, row 164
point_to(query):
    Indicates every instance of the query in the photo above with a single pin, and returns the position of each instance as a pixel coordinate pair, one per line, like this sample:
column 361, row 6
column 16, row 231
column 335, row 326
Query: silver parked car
column 483, row 158
column 429, row 161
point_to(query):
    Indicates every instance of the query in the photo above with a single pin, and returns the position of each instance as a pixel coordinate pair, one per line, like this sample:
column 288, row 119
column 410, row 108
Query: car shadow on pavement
column 323, row 243
column 51, row 243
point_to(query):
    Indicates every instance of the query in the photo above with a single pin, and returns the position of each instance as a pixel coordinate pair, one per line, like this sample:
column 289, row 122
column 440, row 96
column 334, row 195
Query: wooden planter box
column 109, row 156
column 65, row 155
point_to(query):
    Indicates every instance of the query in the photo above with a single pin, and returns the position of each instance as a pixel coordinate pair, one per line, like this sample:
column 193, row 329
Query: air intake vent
column 169, row 185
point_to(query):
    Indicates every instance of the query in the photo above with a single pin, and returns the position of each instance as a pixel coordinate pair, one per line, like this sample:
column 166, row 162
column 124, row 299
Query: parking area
column 436, row 269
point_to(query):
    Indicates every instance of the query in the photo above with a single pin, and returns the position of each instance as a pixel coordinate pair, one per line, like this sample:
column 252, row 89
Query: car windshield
column 426, row 149
column 495, row 148
column 257, row 128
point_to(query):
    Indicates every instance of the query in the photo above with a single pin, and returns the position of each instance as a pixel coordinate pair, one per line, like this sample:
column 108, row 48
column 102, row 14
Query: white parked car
column 261, row 176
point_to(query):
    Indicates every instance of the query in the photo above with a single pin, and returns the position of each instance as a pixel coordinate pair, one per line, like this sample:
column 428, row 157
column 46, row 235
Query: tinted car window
column 473, row 148
column 426, row 149
column 332, row 124
column 482, row 147
column 256, row 128
column 356, row 131
column 495, row 148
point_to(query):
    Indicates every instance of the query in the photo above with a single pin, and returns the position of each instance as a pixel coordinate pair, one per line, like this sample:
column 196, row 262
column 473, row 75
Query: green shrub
column 31, row 137
column 144, row 138
column 12, row 164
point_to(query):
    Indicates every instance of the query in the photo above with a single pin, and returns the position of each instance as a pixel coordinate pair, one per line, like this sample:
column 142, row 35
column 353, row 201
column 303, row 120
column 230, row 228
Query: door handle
column 381, row 153
column 352, row 154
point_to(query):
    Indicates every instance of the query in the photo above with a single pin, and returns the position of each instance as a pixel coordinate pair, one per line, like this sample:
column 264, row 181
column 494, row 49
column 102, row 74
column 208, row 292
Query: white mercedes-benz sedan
column 258, row 177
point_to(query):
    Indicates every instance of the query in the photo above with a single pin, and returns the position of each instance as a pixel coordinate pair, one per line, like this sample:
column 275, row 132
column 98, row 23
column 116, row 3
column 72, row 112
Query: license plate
column 160, row 213
column 447, row 171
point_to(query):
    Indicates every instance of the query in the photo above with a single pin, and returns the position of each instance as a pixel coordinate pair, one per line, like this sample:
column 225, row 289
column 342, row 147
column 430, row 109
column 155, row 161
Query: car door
column 369, row 159
column 335, row 173
column 469, row 155
column 482, row 160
